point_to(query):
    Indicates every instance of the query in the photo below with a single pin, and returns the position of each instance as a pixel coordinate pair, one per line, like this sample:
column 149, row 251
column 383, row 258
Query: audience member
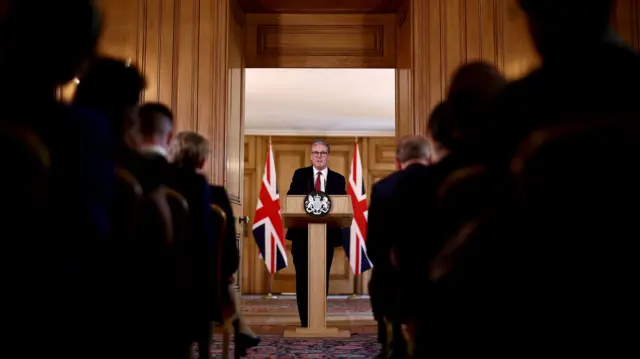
column 189, row 152
column 412, row 154
column 49, row 250
column 114, row 88
column 150, row 135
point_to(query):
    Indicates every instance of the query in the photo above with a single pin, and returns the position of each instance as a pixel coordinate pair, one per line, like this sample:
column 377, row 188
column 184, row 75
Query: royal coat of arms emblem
column 317, row 204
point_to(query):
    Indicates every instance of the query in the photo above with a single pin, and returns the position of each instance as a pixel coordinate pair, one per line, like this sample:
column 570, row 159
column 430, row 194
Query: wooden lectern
column 294, row 216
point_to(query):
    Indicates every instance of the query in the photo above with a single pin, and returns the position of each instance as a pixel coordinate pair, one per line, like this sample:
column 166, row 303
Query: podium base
column 330, row 332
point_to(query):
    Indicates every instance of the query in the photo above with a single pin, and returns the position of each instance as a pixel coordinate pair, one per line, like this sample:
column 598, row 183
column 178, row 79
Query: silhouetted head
column 559, row 26
column 113, row 87
column 471, row 90
column 154, row 125
column 70, row 29
column 477, row 77
column 440, row 131
column 412, row 149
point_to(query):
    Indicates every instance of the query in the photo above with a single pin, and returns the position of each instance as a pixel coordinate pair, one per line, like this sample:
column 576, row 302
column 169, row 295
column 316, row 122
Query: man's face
column 319, row 156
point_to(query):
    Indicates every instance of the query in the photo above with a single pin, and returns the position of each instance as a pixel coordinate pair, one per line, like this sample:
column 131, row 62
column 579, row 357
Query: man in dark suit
column 317, row 177
column 151, row 133
column 412, row 154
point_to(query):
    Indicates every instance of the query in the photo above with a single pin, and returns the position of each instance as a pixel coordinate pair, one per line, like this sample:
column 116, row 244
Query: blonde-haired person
column 188, row 152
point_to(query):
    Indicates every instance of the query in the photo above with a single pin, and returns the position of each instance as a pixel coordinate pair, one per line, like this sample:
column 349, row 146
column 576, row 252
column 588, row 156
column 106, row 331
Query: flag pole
column 355, row 279
column 355, row 289
column 269, row 296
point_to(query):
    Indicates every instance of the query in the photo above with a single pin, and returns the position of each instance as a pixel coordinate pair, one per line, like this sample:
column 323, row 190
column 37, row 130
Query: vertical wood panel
column 438, row 36
column 185, row 79
column 518, row 52
column 626, row 21
column 181, row 46
column 234, row 140
column 122, row 30
column 151, row 55
column 166, row 51
column 404, row 78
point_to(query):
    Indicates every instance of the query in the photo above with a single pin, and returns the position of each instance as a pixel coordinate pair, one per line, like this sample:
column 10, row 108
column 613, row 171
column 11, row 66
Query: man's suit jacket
column 302, row 183
column 380, row 234
column 150, row 169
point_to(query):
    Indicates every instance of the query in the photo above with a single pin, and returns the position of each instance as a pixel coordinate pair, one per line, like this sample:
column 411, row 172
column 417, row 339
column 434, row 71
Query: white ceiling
column 329, row 102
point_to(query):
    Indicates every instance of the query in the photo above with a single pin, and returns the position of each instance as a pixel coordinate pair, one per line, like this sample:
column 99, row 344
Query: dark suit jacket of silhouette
column 150, row 169
column 303, row 183
column 380, row 237
column 418, row 225
column 198, row 247
column 50, row 252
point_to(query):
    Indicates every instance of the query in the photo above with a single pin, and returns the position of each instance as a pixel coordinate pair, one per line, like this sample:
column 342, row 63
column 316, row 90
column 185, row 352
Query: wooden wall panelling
column 438, row 36
column 321, row 6
column 405, row 123
column 234, row 180
column 626, row 21
column 191, row 53
column 290, row 153
column 320, row 41
column 181, row 46
column 517, row 53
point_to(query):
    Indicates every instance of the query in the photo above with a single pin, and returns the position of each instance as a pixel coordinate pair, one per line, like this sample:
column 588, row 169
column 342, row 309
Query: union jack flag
column 356, row 249
column 268, row 229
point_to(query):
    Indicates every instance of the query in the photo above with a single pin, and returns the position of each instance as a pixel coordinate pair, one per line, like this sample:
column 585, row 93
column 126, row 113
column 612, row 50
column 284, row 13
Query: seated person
column 188, row 152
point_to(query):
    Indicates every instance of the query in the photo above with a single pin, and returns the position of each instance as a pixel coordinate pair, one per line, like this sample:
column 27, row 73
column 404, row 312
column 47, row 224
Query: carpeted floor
column 286, row 305
column 277, row 347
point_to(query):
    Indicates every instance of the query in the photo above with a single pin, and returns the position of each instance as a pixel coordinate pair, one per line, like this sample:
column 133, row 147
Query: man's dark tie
column 318, row 187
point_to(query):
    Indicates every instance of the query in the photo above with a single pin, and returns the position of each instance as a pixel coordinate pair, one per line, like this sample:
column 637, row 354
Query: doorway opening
column 291, row 107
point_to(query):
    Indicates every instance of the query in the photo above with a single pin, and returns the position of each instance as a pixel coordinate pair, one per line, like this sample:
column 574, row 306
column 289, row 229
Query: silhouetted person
column 414, row 205
column 453, row 131
column 113, row 87
column 526, row 272
column 152, row 130
column 188, row 152
column 49, row 252
column 412, row 153
column 587, row 73
column 472, row 88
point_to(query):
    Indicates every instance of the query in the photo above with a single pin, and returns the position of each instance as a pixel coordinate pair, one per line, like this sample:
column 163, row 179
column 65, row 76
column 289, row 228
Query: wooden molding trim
column 320, row 41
